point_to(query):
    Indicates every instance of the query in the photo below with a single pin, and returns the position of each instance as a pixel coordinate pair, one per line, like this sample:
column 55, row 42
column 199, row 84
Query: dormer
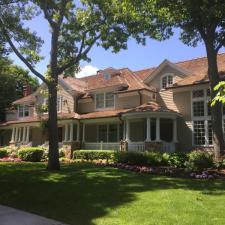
column 167, row 80
column 108, row 73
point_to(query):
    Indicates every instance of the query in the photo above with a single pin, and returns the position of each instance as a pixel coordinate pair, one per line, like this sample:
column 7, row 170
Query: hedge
column 31, row 154
column 93, row 154
column 3, row 153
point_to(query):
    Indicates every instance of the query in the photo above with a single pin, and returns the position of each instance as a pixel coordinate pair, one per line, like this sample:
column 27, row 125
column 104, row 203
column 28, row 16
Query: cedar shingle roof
column 27, row 99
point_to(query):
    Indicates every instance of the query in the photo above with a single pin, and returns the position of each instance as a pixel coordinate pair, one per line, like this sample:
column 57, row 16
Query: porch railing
column 136, row 146
column 101, row 145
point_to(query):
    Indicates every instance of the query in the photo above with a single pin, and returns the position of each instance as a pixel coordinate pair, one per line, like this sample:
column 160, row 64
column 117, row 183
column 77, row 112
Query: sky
column 136, row 57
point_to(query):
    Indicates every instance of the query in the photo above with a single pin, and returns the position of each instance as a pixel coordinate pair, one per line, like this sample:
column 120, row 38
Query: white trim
column 167, row 85
column 104, row 101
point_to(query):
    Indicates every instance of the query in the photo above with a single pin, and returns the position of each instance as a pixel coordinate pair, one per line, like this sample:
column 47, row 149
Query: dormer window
column 23, row 111
column 167, row 81
column 107, row 76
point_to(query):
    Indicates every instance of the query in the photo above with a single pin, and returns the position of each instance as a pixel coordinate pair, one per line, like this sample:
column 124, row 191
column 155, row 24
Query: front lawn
column 86, row 194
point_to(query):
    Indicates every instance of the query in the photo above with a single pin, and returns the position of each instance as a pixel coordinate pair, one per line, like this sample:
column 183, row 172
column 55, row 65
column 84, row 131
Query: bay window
column 104, row 100
column 23, row 111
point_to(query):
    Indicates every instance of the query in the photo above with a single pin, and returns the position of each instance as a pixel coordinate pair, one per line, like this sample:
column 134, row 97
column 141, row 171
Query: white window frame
column 23, row 111
column 166, row 75
column 204, row 118
column 60, row 105
column 104, row 100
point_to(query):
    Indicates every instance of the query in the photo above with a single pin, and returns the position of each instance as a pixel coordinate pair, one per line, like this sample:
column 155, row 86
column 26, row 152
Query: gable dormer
column 165, row 75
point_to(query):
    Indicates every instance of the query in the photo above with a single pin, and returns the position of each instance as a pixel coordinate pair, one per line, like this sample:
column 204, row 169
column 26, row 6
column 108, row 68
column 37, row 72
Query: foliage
column 31, row 154
column 93, row 154
column 133, row 158
column 220, row 96
column 3, row 153
column 12, row 80
column 199, row 160
column 177, row 159
column 153, row 158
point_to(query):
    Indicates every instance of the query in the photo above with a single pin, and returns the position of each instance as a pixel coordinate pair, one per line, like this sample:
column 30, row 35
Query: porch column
column 19, row 135
column 127, row 130
column 78, row 131
column 175, row 130
column 124, row 130
column 71, row 132
column 66, row 132
column 13, row 135
column 28, row 134
column 83, row 138
column 16, row 134
column 118, row 132
column 157, row 129
column 148, row 135
column 24, row 134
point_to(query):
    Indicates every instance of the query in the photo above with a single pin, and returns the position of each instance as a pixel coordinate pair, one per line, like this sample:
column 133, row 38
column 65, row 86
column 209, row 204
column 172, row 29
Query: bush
column 153, row 158
column 93, row 154
column 31, row 154
column 3, row 153
column 165, row 159
column 177, row 159
column 199, row 160
column 133, row 158
column 61, row 153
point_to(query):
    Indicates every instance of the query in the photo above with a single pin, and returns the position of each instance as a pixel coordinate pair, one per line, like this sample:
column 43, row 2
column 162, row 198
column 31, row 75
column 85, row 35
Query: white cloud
column 87, row 71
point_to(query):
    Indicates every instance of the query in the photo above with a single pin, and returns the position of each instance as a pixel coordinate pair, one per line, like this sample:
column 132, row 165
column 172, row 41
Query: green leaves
column 220, row 96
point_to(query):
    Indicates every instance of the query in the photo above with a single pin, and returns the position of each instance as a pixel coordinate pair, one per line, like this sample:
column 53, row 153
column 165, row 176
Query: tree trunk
column 216, row 111
column 53, row 161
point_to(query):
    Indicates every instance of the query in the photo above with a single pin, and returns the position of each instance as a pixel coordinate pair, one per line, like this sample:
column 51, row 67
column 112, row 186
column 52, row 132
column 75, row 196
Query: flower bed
column 10, row 159
column 167, row 171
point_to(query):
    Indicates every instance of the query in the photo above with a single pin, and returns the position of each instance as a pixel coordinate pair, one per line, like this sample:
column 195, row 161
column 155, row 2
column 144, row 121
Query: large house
column 165, row 107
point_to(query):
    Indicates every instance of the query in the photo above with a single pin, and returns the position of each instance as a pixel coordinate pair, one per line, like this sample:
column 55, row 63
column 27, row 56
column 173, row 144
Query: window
column 199, row 132
column 59, row 103
column 104, row 100
column 23, row 110
column 198, row 93
column 167, row 81
column 198, row 108
column 112, row 135
column 108, row 133
column 107, row 76
column 102, row 133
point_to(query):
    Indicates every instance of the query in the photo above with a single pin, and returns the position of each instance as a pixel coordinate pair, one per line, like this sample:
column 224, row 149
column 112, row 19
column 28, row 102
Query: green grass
column 86, row 194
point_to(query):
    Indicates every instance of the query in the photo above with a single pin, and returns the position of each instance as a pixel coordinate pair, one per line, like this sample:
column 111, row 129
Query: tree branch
column 220, row 45
column 80, row 54
column 19, row 55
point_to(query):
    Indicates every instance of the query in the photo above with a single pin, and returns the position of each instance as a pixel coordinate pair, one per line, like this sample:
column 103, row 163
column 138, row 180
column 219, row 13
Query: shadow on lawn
column 80, row 193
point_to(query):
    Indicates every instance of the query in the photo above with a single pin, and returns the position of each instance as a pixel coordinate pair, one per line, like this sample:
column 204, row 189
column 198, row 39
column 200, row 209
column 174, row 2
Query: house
column 165, row 107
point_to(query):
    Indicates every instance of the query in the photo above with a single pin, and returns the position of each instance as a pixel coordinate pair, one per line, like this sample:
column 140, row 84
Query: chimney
column 27, row 90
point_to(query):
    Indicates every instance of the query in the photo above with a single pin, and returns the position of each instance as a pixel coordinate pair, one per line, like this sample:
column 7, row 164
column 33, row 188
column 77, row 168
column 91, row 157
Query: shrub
column 177, row 159
column 153, row 158
column 61, row 153
column 133, row 158
column 32, row 154
column 199, row 160
column 93, row 154
column 165, row 159
column 3, row 152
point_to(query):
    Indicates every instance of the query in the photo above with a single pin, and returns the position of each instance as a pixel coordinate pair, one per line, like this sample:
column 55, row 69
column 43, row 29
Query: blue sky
column 136, row 57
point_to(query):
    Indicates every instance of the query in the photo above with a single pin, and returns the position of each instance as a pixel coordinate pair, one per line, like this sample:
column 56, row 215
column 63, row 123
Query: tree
column 13, row 78
column 75, row 27
column 199, row 21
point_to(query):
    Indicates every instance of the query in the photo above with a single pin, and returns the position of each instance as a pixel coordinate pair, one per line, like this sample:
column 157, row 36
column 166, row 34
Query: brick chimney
column 27, row 90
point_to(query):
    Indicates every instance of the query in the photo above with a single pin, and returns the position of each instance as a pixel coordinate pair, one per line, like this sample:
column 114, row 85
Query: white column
column 66, row 132
column 16, row 134
column 148, row 135
column 28, row 134
column 71, row 132
column 24, row 134
column 13, row 135
column 157, row 129
column 124, row 130
column 78, row 131
column 127, row 130
column 19, row 135
column 83, row 138
column 175, row 131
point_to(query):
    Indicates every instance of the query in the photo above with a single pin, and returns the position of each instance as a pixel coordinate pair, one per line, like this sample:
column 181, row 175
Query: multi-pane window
column 112, row 133
column 104, row 100
column 108, row 133
column 198, row 93
column 210, row 134
column 59, row 103
column 167, row 81
column 198, row 108
column 23, row 111
column 102, row 133
column 199, row 132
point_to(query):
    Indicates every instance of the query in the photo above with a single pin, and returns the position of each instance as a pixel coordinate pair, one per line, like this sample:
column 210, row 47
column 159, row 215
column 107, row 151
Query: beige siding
column 85, row 107
column 165, row 98
column 127, row 102
column 68, row 105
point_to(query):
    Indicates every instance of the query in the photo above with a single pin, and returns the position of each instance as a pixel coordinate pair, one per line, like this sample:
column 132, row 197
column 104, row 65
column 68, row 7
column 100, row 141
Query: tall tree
column 13, row 78
column 75, row 27
column 199, row 21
